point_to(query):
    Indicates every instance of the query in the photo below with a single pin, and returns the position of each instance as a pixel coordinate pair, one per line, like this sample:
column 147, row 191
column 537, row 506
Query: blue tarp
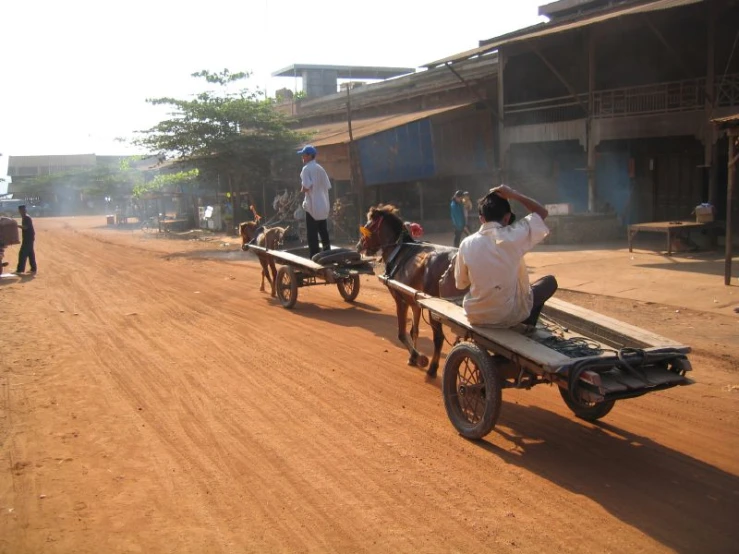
column 401, row 154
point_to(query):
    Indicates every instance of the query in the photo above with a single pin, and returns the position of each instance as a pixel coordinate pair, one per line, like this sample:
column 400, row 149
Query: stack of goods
column 8, row 231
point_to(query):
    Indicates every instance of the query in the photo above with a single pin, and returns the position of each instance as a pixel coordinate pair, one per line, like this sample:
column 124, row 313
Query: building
column 322, row 80
column 412, row 140
column 64, row 184
column 608, row 106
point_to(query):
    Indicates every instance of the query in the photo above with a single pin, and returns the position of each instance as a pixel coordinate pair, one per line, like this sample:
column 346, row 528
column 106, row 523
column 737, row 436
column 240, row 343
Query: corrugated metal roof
column 544, row 29
column 338, row 133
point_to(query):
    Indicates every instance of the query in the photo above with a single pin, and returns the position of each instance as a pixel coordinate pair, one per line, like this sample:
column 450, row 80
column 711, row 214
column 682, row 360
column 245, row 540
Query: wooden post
column 502, row 147
column 710, row 92
column 589, row 137
column 733, row 137
column 354, row 163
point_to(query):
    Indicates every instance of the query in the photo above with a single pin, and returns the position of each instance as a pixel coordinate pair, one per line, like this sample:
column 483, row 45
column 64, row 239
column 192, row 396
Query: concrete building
column 322, row 80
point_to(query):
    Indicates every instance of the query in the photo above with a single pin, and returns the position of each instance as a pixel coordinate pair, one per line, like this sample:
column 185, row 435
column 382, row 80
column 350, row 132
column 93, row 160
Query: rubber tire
column 337, row 255
column 287, row 294
column 349, row 296
column 588, row 413
column 493, row 388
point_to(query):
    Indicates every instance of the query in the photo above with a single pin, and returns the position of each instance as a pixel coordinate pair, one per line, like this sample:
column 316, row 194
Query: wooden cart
column 620, row 361
column 338, row 266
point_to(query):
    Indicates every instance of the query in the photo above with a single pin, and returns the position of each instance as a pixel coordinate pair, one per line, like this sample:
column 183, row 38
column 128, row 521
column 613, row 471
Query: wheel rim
column 470, row 391
column 348, row 286
column 283, row 287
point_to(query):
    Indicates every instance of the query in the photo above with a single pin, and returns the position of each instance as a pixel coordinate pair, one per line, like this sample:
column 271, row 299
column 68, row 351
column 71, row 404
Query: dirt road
column 153, row 400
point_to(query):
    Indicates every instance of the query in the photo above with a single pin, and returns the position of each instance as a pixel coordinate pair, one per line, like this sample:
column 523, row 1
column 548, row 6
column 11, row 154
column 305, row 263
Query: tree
column 101, row 180
column 236, row 135
column 178, row 180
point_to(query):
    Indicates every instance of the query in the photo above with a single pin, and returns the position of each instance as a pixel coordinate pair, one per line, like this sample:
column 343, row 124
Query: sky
column 76, row 74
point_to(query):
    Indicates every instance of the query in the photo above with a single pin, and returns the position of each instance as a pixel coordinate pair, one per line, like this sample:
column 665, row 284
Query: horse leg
column 402, row 313
column 272, row 277
column 438, row 330
column 263, row 263
column 422, row 361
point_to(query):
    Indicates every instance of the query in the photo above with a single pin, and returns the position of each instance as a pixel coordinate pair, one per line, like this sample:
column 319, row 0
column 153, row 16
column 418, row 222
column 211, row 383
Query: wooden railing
column 677, row 96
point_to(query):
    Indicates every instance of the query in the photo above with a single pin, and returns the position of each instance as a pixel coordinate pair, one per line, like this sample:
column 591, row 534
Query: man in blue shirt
column 458, row 216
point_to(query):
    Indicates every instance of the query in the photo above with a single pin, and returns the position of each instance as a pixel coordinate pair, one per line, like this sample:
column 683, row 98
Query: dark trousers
column 313, row 228
column 458, row 237
column 26, row 253
column 543, row 290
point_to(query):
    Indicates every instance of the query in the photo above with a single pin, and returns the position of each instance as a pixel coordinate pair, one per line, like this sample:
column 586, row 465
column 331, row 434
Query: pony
column 269, row 238
column 419, row 265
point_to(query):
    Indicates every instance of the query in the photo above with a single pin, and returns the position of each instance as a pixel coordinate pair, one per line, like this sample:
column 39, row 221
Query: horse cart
column 594, row 361
column 338, row 266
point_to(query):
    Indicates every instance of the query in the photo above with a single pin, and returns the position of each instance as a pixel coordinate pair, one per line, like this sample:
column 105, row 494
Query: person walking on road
column 28, row 236
column 459, row 220
column 315, row 184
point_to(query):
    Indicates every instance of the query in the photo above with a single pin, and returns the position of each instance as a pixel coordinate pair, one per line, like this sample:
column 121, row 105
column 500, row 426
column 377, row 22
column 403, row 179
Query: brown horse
column 267, row 237
column 416, row 264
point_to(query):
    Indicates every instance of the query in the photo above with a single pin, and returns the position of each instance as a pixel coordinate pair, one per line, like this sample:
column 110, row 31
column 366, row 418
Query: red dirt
column 154, row 400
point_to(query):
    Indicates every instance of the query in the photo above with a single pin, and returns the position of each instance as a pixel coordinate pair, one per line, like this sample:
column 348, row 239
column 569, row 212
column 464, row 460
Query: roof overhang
column 729, row 122
column 345, row 71
column 338, row 133
column 560, row 26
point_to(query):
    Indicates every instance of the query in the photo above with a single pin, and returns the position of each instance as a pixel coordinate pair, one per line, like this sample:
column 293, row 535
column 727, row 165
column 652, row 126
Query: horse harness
column 399, row 256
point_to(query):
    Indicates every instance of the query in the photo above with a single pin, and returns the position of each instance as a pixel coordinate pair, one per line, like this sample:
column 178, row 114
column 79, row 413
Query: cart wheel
column 287, row 286
column 349, row 288
column 472, row 390
column 589, row 411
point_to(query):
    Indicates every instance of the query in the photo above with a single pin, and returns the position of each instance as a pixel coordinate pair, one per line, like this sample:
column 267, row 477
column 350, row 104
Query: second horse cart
column 338, row 266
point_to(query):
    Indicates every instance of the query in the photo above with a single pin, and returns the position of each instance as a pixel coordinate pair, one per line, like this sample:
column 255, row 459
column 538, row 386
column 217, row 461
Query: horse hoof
column 422, row 361
column 431, row 372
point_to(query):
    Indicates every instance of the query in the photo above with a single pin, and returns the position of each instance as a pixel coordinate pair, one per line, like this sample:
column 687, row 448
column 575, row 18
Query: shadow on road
column 683, row 503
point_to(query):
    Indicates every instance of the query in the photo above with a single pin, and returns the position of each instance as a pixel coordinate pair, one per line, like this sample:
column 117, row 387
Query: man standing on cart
column 315, row 184
column 490, row 262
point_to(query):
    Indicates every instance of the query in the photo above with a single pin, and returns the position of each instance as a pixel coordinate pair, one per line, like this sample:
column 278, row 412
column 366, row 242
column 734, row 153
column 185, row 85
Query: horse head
column 383, row 228
column 247, row 230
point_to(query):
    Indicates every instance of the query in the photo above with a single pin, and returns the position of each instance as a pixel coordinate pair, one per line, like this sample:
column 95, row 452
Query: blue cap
column 308, row 149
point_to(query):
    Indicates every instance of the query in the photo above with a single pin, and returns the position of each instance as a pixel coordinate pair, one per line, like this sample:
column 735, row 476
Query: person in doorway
column 459, row 221
column 315, row 185
column 490, row 262
column 28, row 236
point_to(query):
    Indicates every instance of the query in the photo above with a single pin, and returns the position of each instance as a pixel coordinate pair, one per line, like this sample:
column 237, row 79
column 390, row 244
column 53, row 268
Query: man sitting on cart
column 490, row 262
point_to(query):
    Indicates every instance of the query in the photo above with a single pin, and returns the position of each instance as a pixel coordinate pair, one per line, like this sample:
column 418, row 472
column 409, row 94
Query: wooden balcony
column 661, row 98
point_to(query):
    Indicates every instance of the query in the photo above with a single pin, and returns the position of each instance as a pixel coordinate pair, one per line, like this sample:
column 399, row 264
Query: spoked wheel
column 589, row 411
column 287, row 286
column 472, row 390
column 349, row 288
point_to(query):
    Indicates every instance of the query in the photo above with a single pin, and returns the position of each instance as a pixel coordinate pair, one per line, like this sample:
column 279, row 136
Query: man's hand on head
column 504, row 191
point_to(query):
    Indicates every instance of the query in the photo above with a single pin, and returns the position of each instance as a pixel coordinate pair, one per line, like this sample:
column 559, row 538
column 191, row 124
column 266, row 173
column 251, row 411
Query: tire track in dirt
column 262, row 429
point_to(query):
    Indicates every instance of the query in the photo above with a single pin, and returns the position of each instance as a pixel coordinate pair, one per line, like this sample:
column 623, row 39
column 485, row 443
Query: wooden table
column 669, row 228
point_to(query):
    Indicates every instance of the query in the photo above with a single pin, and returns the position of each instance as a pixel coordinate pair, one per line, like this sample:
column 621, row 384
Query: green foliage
column 236, row 133
column 100, row 180
column 161, row 182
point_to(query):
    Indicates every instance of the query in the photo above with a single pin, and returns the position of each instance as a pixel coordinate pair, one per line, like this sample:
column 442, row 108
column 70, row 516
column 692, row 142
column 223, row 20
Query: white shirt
column 490, row 262
column 315, row 179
